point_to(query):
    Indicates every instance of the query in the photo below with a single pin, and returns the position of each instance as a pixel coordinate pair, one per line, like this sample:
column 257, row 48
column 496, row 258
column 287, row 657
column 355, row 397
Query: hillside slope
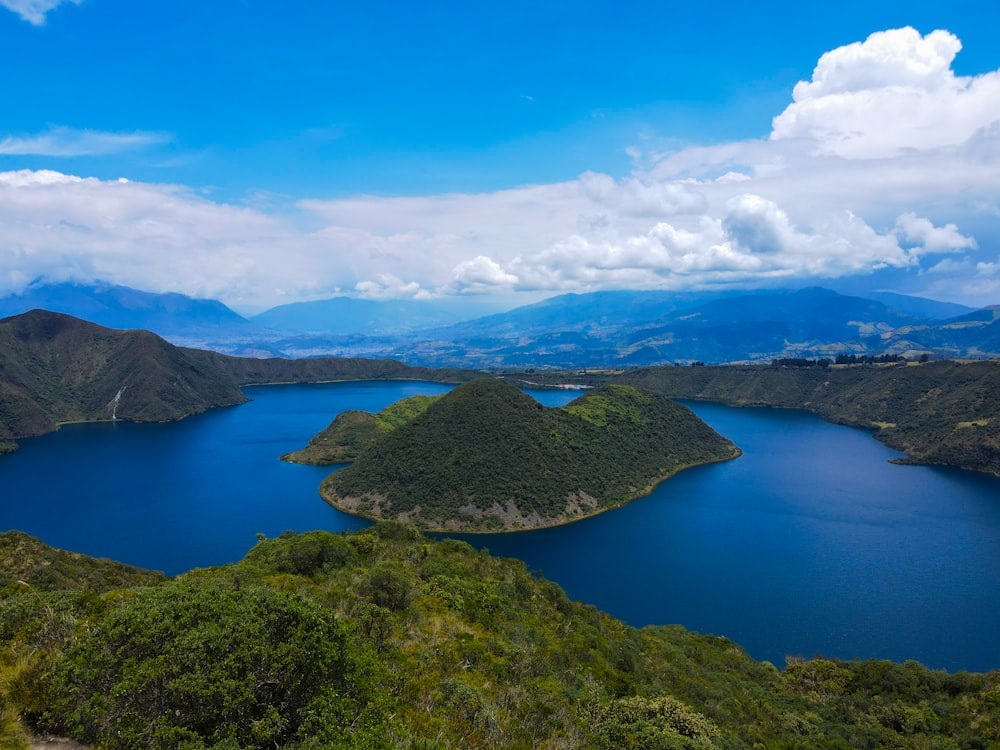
column 26, row 561
column 488, row 457
column 55, row 368
column 352, row 431
column 938, row 412
column 387, row 639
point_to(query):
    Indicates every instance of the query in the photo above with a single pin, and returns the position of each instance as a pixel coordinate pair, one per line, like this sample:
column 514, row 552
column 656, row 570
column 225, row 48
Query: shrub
column 199, row 661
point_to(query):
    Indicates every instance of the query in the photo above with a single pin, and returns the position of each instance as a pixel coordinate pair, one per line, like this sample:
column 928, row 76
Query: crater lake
column 810, row 543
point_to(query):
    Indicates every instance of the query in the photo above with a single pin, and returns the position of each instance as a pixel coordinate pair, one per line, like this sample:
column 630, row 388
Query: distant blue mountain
column 921, row 307
column 599, row 329
column 630, row 328
column 111, row 306
column 340, row 316
column 581, row 312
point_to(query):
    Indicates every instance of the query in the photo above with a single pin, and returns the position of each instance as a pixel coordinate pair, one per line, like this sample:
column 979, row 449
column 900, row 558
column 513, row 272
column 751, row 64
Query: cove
column 811, row 543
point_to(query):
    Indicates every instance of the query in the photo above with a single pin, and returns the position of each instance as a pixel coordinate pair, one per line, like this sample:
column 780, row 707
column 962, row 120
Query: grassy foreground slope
column 487, row 457
column 386, row 639
column 937, row 412
column 26, row 561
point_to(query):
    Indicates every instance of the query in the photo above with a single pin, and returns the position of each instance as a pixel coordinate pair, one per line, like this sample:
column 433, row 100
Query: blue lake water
column 810, row 543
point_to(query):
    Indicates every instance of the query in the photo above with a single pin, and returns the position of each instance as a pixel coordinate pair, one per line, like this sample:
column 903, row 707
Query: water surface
column 810, row 543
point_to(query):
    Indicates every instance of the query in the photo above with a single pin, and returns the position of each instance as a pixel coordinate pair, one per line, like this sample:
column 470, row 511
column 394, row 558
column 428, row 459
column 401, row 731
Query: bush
column 200, row 661
column 303, row 554
column 389, row 587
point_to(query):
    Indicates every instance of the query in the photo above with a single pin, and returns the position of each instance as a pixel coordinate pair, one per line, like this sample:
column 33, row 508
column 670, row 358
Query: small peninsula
column 487, row 457
column 351, row 431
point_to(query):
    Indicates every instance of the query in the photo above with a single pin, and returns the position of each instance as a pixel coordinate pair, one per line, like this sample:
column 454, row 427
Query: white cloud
column 892, row 92
column 68, row 142
column 156, row 237
column 988, row 270
column 480, row 273
column 800, row 206
column 388, row 286
column 633, row 197
column 33, row 11
column 932, row 239
column 755, row 239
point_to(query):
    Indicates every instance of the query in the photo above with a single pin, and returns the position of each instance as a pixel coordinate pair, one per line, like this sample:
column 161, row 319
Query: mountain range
column 610, row 329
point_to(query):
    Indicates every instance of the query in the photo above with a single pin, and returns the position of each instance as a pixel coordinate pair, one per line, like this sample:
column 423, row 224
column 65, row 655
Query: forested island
column 388, row 639
column 488, row 457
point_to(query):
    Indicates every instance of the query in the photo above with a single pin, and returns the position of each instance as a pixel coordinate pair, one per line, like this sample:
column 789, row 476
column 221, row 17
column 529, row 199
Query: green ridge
column 27, row 562
column 55, row 368
column 937, row 412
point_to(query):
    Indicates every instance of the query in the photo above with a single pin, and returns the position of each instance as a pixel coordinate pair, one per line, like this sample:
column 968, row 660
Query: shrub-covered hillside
column 351, row 431
column 486, row 456
column 25, row 561
column 937, row 412
column 385, row 638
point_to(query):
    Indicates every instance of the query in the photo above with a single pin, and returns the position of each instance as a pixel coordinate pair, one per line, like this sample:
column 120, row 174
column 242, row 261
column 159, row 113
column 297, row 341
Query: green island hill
column 385, row 638
column 487, row 457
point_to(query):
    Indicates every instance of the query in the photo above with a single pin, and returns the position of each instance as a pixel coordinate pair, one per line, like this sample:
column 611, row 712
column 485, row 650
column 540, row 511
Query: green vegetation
column 27, row 562
column 937, row 412
column 253, row 371
column 387, row 639
column 488, row 457
column 55, row 368
column 351, row 431
column 945, row 412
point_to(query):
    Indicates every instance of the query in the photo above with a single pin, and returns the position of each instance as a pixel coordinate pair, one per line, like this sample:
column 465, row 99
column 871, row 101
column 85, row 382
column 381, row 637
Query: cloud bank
column 33, row 11
column 884, row 162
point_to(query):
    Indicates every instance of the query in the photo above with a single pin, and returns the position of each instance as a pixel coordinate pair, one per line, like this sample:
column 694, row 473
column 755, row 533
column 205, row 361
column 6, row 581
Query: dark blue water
column 810, row 543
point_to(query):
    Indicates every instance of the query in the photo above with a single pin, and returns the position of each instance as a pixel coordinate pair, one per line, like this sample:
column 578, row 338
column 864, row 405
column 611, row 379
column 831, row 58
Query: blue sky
column 263, row 153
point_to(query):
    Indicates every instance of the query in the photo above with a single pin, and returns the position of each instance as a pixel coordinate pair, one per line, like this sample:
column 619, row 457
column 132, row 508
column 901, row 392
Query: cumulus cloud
column 69, row 142
column 480, row 273
column 892, row 92
column 922, row 233
column 388, row 286
column 755, row 238
column 33, row 11
column 903, row 167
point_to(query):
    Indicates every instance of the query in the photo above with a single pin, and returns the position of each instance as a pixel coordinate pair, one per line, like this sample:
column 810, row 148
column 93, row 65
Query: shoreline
column 646, row 492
